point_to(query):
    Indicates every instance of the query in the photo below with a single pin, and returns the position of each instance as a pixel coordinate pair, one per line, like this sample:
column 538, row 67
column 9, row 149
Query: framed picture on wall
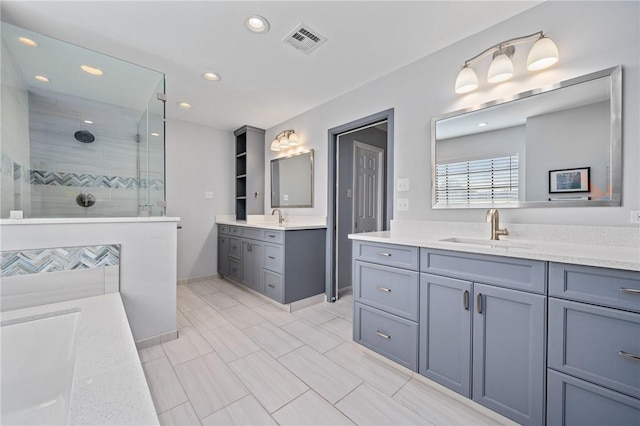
column 569, row 180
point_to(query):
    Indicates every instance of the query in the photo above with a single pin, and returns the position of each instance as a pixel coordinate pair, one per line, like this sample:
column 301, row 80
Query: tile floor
column 240, row 360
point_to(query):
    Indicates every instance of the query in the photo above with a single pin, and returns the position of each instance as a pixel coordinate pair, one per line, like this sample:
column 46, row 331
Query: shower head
column 84, row 136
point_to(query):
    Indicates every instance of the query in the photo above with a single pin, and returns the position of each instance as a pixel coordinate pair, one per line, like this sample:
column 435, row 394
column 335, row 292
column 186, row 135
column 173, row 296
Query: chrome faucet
column 280, row 217
column 494, row 218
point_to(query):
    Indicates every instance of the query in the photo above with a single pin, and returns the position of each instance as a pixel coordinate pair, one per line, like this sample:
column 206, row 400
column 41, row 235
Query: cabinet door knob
column 479, row 302
column 383, row 335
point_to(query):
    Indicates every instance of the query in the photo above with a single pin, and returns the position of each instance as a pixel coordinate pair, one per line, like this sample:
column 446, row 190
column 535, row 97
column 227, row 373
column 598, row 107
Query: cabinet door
column 252, row 264
column 223, row 255
column 509, row 353
column 445, row 332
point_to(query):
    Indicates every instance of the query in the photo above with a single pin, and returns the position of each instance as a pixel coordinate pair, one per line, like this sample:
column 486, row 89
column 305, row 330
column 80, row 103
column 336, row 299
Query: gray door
column 509, row 353
column 367, row 187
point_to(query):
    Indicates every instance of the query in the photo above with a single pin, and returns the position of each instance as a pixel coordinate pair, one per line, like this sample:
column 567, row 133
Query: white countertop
column 109, row 386
column 618, row 257
column 291, row 223
column 65, row 220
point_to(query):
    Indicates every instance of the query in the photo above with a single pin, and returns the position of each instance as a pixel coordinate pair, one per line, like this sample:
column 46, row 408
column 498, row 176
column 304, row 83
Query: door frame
column 333, row 133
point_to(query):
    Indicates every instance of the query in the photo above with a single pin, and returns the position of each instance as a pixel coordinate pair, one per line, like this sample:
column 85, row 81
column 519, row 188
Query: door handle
column 249, row 247
column 630, row 290
column 271, row 285
column 384, row 254
column 479, row 302
column 272, row 257
column 386, row 290
column 383, row 335
column 629, row 356
column 465, row 300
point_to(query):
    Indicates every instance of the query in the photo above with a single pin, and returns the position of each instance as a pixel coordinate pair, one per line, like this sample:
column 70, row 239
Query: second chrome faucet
column 493, row 217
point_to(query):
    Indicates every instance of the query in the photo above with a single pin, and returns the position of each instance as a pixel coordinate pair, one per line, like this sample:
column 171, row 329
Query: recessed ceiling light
column 256, row 24
column 91, row 70
column 155, row 134
column 484, row 123
column 27, row 42
column 41, row 78
column 212, row 76
column 185, row 105
column 88, row 121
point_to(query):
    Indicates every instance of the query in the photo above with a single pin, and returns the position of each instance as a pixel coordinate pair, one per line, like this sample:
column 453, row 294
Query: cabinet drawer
column 518, row 274
column 273, row 257
column 223, row 229
column 253, row 233
column 572, row 401
column 235, row 247
column 386, row 254
column 389, row 335
column 273, row 236
column 392, row 290
column 234, row 270
column 234, row 230
column 590, row 342
column 602, row 286
column 273, row 286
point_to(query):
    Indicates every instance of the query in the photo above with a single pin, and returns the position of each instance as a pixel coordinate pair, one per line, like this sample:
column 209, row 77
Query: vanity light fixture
column 88, row 121
column 484, row 123
column 212, row 76
column 285, row 139
column 257, row 24
column 155, row 134
column 91, row 70
column 184, row 105
column 543, row 54
column 41, row 78
column 27, row 42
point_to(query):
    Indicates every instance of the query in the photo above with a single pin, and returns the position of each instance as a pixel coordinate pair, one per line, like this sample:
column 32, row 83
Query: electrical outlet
column 403, row 185
column 403, row 204
column 635, row 216
column 208, row 195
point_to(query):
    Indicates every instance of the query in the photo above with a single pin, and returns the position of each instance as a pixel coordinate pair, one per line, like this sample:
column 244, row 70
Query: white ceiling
column 264, row 81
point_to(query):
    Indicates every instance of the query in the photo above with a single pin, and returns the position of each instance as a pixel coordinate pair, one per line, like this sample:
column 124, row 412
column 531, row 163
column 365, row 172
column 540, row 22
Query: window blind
column 484, row 180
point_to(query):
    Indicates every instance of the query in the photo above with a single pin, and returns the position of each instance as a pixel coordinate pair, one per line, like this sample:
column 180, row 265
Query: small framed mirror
column 292, row 181
column 556, row 146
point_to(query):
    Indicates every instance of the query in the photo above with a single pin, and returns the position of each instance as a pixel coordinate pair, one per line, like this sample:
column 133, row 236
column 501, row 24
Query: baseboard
column 198, row 279
column 288, row 307
column 156, row 340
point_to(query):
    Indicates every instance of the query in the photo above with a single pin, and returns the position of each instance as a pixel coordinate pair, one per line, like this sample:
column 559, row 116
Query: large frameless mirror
column 292, row 181
column 557, row 146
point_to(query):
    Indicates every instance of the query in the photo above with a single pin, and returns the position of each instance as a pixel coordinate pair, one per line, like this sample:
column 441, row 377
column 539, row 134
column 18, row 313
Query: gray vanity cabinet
column 223, row 254
column 594, row 346
column 251, row 261
column 445, row 331
column 482, row 330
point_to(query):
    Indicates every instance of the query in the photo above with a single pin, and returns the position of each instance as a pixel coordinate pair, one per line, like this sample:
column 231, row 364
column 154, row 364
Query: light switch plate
column 403, row 185
column 403, row 204
column 208, row 195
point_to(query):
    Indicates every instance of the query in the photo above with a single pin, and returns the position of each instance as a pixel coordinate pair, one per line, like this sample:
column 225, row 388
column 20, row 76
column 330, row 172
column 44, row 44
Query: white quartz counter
column 271, row 222
column 65, row 220
column 109, row 386
column 618, row 257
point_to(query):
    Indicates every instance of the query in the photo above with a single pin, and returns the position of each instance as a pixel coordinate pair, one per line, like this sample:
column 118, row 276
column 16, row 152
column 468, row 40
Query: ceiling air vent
column 304, row 39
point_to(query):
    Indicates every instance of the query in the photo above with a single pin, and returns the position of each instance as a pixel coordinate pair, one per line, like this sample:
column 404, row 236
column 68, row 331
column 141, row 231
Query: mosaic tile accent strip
column 6, row 165
column 24, row 262
column 84, row 180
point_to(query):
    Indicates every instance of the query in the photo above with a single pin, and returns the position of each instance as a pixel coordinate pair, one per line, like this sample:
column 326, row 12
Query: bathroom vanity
column 536, row 331
column 283, row 262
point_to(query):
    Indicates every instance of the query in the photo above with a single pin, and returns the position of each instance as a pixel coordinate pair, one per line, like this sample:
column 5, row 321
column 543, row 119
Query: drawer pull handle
column 630, row 290
column 629, row 356
column 271, row 236
column 465, row 300
column 271, row 285
column 479, row 302
column 386, row 290
column 272, row 257
column 384, row 336
column 381, row 253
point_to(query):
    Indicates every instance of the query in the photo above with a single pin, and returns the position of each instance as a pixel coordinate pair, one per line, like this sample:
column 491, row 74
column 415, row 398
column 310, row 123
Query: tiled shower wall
column 40, row 276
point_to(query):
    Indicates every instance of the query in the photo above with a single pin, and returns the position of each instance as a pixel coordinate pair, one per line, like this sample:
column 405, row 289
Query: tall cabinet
column 249, row 171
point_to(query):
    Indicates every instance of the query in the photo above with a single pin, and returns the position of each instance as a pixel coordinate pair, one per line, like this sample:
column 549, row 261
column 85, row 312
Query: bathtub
column 38, row 359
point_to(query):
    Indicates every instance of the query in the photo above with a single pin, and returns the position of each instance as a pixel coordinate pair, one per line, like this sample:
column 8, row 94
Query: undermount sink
column 488, row 243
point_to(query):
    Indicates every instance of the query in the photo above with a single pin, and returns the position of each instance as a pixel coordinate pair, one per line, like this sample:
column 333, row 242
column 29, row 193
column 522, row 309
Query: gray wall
column 199, row 159
column 424, row 89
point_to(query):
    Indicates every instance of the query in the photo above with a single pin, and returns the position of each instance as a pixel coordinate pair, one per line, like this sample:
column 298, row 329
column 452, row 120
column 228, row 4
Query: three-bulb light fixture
column 285, row 139
column 543, row 54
